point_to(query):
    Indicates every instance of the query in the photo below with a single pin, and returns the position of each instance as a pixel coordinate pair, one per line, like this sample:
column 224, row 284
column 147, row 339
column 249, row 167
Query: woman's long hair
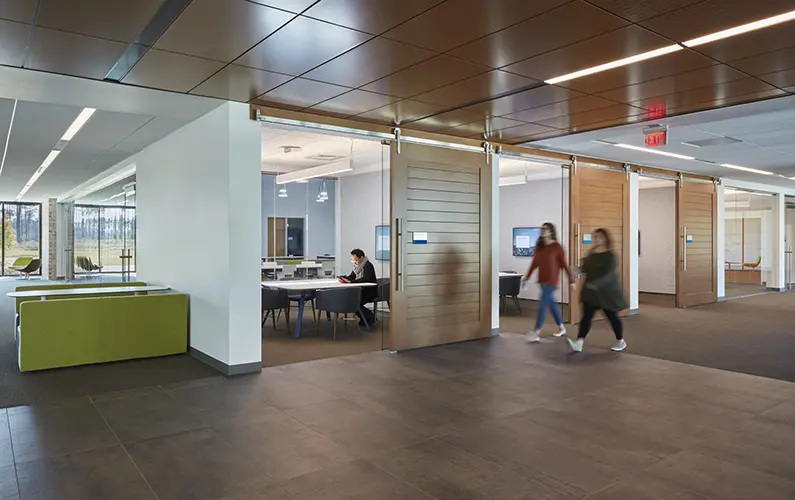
column 553, row 235
column 606, row 236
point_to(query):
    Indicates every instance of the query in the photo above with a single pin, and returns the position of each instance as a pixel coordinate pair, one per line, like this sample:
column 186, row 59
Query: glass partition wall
column 322, row 198
column 21, row 238
column 748, row 236
column 102, row 234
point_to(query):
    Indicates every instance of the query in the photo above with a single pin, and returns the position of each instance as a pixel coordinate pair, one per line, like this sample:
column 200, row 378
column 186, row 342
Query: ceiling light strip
column 77, row 124
column 653, row 151
column 616, row 64
column 746, row 169
column 739, row 30
column 8, row 136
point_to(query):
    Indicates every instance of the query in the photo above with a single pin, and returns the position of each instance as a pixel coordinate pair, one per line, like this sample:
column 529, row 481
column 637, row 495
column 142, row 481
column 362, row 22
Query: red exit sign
column 656, row 139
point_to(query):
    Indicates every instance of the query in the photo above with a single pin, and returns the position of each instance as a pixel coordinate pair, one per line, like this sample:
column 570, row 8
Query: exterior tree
column 10, row 234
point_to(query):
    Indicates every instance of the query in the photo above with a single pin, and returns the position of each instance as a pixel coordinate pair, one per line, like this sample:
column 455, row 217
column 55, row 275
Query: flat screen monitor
column 524, row 241
column 381, row 242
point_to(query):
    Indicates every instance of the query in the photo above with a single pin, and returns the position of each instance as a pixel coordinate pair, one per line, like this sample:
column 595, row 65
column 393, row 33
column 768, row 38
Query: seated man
column 363, row 272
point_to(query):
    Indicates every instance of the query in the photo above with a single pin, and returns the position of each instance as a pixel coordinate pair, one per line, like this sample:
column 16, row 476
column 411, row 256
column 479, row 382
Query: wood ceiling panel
column 560, row 27
column 483, row 127
column 447, row 119
column 780, row 79
column 400, row 112
column 301, row 45
column 426, row 76
column 296, row 6
column 548, row 94
column 240, row 83
column 170, row 71
column 13, row 40
column 706, row 94
column 353, row 103
column 368, row 62
column 751, row 44
column 578, row 105
column 456, row 22
column 779, row 60
column 21, row 11
column 625, row 120
column 367, row 15
column 682, row 82
column 570, row 122
column 618, row 44
column 711, row 16
column 118, row 20
column 659, row 67
column 537, row 137
column 638, row 10
column 301, row 93
column 476, row 88
column 70, row 54
column 228, row 28
column 728, row 101
column 514, row 133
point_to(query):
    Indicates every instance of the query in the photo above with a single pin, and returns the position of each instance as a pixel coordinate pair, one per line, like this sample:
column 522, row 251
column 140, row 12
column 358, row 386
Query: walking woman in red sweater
column 549, row 259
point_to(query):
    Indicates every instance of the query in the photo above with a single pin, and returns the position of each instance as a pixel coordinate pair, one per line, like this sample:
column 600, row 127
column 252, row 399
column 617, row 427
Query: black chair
column 309, row 297
column 31, row 268
column 274, row 300
column 383, row 296
column 339, row 301
column 510, row 286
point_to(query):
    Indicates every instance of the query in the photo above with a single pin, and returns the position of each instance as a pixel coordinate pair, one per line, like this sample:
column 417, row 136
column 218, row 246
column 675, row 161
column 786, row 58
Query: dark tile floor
column 495, row 419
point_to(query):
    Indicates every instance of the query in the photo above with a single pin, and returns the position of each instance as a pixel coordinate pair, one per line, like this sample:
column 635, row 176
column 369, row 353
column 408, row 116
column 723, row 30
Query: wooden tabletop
column 312, row 284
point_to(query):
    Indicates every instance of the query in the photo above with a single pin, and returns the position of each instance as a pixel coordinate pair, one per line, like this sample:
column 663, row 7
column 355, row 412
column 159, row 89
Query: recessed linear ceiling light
column 739, row 30
column 515, row 180
column 76, row 125
column 653, row 151
column 8, row 136
column 746, row 169
column 615, row 64
column 73, row 129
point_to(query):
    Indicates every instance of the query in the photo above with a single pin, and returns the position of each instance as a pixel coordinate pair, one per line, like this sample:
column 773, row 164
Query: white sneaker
column 561, row 331
column 533, row 336
column 576, row 345
column 619, row 346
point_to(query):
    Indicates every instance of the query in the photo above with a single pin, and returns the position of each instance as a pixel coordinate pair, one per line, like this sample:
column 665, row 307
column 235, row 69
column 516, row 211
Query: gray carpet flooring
column 18, row 388
column 753, row 335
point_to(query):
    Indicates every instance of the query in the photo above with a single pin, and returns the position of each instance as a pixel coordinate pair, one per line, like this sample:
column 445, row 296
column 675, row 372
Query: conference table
column 305, row 287
column 508, row 275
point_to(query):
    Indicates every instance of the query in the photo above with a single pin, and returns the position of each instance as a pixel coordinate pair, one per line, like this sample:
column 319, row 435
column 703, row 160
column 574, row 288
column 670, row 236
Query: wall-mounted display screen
column 381, row 242
column 524, row 241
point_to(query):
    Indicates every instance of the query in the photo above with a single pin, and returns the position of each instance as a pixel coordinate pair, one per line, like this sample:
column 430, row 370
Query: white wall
column 634, row 228
column 657, row 225
column 363, row 205
column 531, row 205
column 319, row 224
column 199, row 228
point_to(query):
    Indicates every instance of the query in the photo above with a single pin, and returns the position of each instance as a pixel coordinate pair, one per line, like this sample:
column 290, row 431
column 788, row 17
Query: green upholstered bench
column 69, row 286
column 82, row 331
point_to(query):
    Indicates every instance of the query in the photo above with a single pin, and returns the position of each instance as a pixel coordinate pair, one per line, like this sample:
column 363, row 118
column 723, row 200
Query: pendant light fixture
column 283, row 191
column 322, row 195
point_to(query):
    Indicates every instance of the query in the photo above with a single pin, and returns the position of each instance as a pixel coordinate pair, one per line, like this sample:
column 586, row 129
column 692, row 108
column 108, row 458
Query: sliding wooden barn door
column 598, row 199
column 441, row 246
column 697, row 244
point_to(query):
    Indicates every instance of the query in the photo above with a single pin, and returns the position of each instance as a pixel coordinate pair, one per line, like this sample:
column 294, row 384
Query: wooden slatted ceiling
column 443, row 276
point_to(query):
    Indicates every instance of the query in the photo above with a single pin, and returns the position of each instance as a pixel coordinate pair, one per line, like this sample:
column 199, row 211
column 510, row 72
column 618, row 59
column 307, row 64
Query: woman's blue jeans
column 548, row 301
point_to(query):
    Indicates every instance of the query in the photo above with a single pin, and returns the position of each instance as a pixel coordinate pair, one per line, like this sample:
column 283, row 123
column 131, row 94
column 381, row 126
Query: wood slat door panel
column 598, row 199
column 442, row 290
column 697, row 262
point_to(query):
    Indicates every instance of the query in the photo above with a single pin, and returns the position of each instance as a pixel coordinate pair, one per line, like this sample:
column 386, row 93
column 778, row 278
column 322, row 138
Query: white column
column 634, row 227
column 199, row 228
column 495, row 244
column 776, row 241
column 720, row 264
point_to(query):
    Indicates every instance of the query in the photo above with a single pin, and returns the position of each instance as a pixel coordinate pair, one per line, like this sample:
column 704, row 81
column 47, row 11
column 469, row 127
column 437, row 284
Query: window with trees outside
column 101, row 233
column 21, row 234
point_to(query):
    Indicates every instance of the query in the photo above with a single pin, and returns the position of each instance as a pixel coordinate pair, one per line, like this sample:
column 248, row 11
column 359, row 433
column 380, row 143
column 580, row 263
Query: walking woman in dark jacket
column 602, row 290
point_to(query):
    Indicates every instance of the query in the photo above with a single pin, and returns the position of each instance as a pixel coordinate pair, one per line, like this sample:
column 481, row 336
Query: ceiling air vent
column 715, row 141
column 326, row 158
